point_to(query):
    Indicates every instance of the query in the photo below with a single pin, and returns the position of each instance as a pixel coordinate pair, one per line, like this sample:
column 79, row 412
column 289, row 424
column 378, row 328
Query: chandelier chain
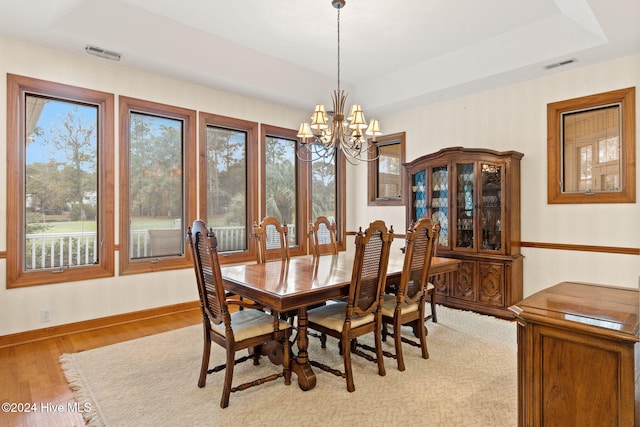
column 338, row 50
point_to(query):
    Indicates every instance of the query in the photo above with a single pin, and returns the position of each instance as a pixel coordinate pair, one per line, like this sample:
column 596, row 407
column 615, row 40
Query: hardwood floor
column 30, row 373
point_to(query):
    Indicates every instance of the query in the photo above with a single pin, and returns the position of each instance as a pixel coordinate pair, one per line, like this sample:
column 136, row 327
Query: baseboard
column 92, row 324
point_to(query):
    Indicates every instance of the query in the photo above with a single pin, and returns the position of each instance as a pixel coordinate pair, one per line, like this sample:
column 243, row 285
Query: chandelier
column 323, row 137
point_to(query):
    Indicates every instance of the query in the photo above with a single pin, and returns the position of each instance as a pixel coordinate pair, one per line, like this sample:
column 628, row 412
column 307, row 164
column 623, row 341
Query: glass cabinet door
column 465, row 225
column 440, row 202
column 491, row 206
column 430, row 196
column 418, row 195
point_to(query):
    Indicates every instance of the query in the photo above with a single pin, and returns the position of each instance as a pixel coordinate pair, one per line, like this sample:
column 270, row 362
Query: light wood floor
column 30, row 373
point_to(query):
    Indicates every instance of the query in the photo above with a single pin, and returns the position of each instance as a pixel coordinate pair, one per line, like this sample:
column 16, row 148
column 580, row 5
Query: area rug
column 470, row 379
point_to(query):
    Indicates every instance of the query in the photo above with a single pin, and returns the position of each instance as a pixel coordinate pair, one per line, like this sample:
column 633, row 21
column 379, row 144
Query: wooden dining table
column 284, row 286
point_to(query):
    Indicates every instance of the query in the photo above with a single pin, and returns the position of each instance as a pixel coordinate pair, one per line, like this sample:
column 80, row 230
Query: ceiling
column 395, row 54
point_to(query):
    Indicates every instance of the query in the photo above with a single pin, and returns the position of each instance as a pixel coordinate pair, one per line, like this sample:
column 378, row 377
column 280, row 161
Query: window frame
column 555, row 143
column 126, row 106
column 374, row 172
column 17, row 89
column 251, row 128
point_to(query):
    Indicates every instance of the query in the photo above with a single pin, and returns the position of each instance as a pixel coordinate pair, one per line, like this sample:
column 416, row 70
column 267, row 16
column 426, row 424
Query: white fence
column 53, row 250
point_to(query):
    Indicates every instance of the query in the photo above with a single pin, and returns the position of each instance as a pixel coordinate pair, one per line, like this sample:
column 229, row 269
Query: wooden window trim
column 372, row 165
column 17, row 88
column 251, row 128
column 127, row 105
column 626, row 97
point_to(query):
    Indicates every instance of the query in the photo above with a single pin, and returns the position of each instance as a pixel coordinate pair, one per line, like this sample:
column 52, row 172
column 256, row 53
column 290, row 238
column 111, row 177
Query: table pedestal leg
column 300, row 364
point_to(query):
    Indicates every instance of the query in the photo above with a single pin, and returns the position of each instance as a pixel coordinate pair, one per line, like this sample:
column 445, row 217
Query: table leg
column 300, row 364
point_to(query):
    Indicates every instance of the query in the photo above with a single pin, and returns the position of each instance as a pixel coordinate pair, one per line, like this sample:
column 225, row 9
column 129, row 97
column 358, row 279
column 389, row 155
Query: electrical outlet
column 45, row 315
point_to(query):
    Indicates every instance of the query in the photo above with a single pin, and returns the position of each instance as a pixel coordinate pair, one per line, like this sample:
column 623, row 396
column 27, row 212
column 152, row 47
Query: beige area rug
column 470, row 379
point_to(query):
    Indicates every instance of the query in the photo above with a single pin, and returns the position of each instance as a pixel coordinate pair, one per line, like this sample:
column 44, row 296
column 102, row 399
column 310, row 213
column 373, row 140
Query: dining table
column 303, row 281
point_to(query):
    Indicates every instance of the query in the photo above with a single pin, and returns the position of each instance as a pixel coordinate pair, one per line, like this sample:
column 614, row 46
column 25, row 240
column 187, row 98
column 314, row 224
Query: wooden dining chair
column 272, row 244
column 361, row 312
column 407, row 306
column 271, row 240
column 249, row 329
column 322, row 237
column 431, row 288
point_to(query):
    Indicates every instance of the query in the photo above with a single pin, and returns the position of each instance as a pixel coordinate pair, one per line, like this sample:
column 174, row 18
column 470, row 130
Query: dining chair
column 250, row 328
column 271, row 239
column 407, row 306
column 322, row 237
column 431, row 288
column 361, row 312
column 272, row 244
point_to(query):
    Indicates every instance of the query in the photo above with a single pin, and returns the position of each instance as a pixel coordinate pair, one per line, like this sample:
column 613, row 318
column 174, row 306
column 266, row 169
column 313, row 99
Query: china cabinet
column 474, row 194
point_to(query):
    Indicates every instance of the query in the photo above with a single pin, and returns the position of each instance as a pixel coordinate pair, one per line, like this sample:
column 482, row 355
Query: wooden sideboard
column 579, row 356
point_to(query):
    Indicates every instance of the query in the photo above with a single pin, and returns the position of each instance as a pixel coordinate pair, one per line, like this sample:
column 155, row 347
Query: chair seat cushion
column 248, row 324
column 389, row 306
column 332, row 316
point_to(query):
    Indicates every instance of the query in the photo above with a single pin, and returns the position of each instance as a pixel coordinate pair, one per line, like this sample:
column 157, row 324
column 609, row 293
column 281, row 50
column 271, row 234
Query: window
column 233, row 198
column 591, row 149
column 324, row 189
column 228, row 182
column 296, row 191
column 60, row 169
column 285, row 184
column 157, row 185
column 386, row 172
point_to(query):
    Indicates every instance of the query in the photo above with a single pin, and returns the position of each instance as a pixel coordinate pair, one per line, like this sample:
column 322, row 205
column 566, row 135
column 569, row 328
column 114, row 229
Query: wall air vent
column 559, row 64
column 102, row 53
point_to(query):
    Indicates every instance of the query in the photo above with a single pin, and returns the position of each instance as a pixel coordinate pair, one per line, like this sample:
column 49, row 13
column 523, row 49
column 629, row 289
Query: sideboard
column 579, row 356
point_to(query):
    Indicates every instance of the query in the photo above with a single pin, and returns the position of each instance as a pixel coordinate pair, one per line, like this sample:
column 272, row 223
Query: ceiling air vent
column 102, row 53
column 559, row 64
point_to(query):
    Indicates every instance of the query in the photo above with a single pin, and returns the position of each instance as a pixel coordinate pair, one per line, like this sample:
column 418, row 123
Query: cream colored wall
column 77, row 301
column 513, row 117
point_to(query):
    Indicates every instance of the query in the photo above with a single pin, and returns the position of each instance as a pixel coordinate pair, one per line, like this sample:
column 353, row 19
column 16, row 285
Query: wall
column 509, row 118
column 514, row 117
column 77, row 301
